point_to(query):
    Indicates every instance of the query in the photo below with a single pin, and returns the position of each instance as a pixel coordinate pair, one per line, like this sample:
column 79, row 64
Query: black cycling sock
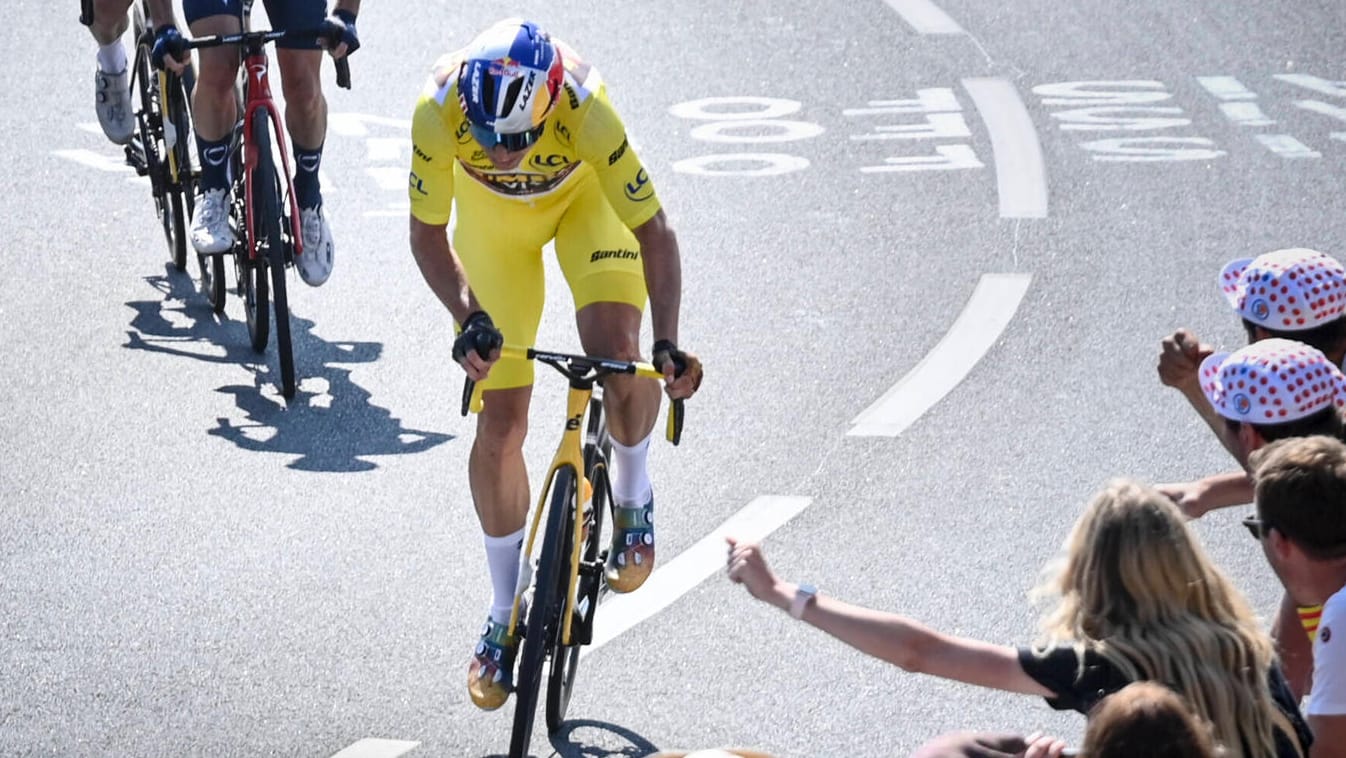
column 214, row 163
column 307, row 190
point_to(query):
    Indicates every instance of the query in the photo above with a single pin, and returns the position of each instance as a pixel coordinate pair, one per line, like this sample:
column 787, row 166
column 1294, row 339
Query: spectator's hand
column 170, row 49
column 478, row 346
column 747, row 566
column 340, row 25
column 1190, row 497
column 1180, row 359
column 1043, row 746
column 682, row 370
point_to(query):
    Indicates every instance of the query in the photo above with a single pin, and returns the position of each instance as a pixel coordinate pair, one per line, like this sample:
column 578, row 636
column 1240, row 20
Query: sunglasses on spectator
column 511, row 142
column 1256, row 527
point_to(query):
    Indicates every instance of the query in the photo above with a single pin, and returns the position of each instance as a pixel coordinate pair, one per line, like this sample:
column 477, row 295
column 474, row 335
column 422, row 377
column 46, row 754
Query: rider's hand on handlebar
column 682, row 370
column 478, row 346
column 340, row 37
column 170, row 49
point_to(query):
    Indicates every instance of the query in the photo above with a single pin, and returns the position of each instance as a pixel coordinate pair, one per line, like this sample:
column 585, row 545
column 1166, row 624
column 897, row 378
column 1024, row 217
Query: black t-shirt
column 1058, row 669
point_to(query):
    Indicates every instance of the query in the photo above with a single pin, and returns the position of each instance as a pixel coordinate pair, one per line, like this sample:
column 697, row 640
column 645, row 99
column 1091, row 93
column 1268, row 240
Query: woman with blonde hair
column 1136, row 599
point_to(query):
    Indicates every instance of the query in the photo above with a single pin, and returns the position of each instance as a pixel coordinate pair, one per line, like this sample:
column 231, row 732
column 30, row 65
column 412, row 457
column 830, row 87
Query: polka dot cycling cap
column 1272, row 381
column 1286, row 290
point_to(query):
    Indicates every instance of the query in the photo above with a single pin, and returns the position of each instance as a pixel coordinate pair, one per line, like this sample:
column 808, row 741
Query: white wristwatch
column 803, row 596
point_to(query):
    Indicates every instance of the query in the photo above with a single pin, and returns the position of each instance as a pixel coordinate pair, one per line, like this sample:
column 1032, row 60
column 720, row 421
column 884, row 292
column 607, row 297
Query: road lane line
column 754, row 522
column 375, row 748
column 981, row 323
column 1287, row 146
column 1226, row 88
column 925, row 17
column 1020, row 174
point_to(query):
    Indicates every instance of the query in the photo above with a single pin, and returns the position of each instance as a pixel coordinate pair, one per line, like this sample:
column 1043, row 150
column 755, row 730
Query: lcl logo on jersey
column 463, row 135
column 549, row 161
column 640, row 190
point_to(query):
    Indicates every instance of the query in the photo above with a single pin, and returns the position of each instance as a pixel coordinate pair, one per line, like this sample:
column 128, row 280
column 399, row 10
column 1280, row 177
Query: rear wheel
column 270, row 220
column 544, row 614
column 153, row 147
column 566, row 658
column 180, row 181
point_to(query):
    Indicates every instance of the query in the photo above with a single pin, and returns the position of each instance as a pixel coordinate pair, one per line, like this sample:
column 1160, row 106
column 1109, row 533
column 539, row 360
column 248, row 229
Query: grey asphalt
column 190, row 566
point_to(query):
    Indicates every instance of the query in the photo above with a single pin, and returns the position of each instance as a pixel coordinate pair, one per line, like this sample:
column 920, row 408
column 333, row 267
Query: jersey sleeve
column 1079, row 679
column 603, row 144
column 430, row 185
column 1328, row 697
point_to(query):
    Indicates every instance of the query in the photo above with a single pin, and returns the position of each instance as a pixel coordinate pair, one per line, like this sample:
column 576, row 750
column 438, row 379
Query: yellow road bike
column 568, row 581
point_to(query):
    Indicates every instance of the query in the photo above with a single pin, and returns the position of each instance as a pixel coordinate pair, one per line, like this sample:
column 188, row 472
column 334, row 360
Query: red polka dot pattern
column 1273, row 381
column 1286, row 290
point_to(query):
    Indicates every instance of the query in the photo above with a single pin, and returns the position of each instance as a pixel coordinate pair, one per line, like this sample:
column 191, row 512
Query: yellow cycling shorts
column 499, row 241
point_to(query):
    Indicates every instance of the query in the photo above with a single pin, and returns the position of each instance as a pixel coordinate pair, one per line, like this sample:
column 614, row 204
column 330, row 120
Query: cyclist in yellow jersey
column 518, row 132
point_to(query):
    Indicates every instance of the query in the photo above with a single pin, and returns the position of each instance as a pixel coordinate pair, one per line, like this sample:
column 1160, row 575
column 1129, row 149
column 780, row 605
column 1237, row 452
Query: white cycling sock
column 502, row 558
column 630, row 477
column 112, row 57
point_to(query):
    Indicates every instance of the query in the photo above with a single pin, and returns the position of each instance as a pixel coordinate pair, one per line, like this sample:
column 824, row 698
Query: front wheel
column 212, row 279
column 565, row 659
column 544, row 615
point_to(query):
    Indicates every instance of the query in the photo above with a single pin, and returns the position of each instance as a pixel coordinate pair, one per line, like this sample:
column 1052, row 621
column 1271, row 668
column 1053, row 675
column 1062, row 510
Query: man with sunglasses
column 1301, row 525
column 516, row 135
column 1271, row 390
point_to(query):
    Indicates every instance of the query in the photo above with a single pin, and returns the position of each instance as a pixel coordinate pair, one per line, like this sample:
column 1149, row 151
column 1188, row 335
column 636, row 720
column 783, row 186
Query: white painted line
column 1021, row 175
column 374, row 748
column 1317, row 106
column 947, row 158
column 983, row 319
column 1246, row 114
column 388, row 177
column 1226, row 88
column 1287, row 147
column 925, row 17
column 95, row 160
column 754, row 522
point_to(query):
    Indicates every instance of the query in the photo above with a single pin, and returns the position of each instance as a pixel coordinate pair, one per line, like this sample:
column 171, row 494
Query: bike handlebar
column 330, row 36
column 587, row 369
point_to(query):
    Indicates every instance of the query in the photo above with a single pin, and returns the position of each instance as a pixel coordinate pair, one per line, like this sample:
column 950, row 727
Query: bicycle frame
column 582, row 373
column 257, row 97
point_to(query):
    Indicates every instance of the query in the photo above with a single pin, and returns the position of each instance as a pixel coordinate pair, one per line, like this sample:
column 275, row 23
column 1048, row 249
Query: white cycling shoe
column 112, row 101
column 211, row 231
column 315, row 262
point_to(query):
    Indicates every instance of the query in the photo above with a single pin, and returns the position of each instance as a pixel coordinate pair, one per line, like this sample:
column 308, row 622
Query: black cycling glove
column 168, row 42
column 348, row 34
column 479, row 333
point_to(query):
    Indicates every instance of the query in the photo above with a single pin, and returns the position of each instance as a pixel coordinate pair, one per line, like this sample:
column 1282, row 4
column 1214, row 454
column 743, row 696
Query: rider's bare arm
column 663, row 274
column 441, row 268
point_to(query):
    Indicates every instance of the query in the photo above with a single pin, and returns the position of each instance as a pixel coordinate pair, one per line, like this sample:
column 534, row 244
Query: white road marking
column 1226, row 88
column 925, row 17
column 983, row 319
column 95, row 160
column 375, row 748
column 1246, row 114
column 947, row 158
column 1021, row 175
column 1287, row 147
column 755, row 521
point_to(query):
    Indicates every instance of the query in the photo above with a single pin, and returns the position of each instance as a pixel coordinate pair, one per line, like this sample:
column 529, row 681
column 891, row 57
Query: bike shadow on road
column 329, row 425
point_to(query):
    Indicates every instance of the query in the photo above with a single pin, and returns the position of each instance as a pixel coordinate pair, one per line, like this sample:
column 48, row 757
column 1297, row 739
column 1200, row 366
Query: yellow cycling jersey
column 583, row 133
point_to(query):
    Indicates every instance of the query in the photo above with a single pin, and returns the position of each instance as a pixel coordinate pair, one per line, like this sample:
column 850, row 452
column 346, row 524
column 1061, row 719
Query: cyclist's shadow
column 329, row 424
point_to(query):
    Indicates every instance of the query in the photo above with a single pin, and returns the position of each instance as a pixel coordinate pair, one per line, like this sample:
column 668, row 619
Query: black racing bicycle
column 161, row 149
column 566, row 574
